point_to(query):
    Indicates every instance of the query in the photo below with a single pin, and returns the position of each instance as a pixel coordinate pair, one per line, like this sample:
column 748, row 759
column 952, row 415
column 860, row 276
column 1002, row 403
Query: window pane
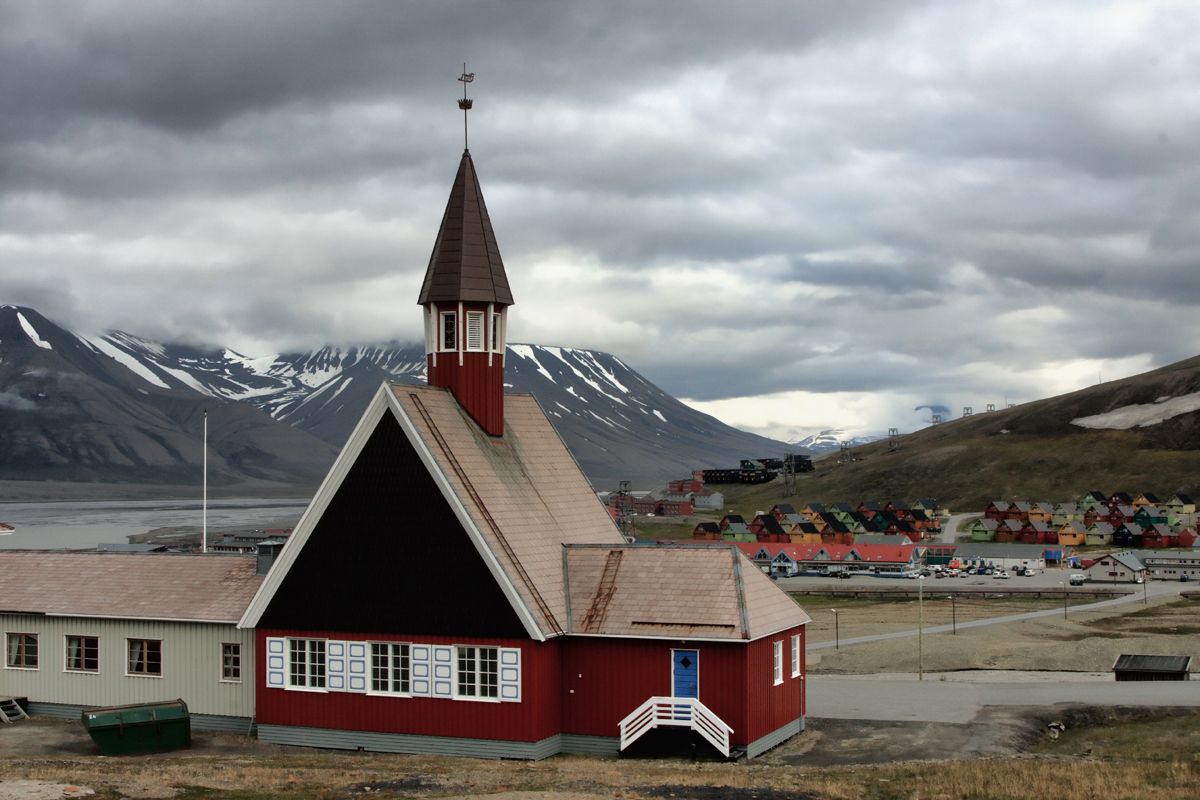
column 298, row 670
column 449, row 331
column 466, row 671
column 231, row 662
column 316, row 663
column 83, row 653
column 400, row 668
column 489, row 672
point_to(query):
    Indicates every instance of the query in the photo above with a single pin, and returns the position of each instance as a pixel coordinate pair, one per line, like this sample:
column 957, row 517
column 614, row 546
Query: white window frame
column 778, row 661
column 391, row 654
column 128, row 647
column 796, row 656
column 445, row 317
column 235, row 654
column 476, row 332
column 83, row 651
column 497, row 332
column 37, row 651
column 476, row 686
column 312, row 682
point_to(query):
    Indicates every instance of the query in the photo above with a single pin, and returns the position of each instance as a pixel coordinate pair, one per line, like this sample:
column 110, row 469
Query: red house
column 455, row 587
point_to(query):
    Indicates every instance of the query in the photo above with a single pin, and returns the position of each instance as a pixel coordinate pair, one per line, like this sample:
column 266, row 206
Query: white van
column 1077, row 579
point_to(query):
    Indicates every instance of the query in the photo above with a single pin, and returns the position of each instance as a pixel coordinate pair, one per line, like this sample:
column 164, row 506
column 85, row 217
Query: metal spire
column 465, row 103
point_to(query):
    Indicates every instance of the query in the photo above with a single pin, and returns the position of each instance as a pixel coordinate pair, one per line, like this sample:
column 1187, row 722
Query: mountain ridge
column 618, row 425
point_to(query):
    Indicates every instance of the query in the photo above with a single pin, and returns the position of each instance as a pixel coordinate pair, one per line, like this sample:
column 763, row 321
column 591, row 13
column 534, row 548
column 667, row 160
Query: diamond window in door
column 685, row 678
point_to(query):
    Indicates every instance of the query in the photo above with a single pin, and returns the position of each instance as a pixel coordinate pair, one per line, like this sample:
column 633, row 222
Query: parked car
column 1000, row 574
column 1077, row 579
column 845, row 574
column 1184, row 578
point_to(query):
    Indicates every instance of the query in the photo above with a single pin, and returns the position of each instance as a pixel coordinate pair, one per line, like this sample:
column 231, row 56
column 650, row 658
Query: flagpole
column 204, row 529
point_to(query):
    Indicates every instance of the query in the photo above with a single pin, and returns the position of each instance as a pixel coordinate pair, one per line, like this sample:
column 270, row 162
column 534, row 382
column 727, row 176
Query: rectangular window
column 795, row 655
column 145, row 657
column 497, row 345
column 231, row 662
column 23, row 650
column 449, row 330
column 474, row 330
column 778, row 663
column 478, row 672
column 390, row 668
column 83, row 654
column 307, row 664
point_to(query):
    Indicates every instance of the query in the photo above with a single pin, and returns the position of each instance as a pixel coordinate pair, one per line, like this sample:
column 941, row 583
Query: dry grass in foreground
column 1147, row 756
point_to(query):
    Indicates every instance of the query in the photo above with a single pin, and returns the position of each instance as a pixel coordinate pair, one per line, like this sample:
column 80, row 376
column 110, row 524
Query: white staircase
column 682, row 712
column 11, row 710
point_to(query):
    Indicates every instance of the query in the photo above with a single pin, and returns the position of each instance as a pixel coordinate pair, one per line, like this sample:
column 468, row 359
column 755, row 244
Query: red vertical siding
column 770, row 707
column 532, row 719
column 478, row 386
column 604, row 680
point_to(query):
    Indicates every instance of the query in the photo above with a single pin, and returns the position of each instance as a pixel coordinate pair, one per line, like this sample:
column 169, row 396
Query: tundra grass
column 1133, row 756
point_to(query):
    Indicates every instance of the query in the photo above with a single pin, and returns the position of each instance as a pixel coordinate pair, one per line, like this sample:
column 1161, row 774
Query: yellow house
column 1072, row 533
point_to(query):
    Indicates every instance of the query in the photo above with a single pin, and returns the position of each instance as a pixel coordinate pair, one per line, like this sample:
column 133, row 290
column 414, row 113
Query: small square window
column 145, row 657
column 83, row 654
column 23, row 650
column 307, row 663
column 231, row 662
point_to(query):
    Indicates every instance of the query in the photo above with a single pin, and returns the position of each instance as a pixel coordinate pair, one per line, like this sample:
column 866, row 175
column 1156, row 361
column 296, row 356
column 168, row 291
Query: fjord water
column 83, row 525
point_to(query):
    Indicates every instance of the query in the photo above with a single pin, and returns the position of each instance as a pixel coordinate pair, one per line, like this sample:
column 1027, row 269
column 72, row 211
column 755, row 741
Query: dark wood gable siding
column 389, row 556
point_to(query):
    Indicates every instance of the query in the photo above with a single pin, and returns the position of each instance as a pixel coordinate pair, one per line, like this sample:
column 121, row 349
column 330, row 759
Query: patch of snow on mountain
column 598, row 367
column 658, row 414
column 557, row 351
column 187, row 379
column 1140, row 416
column 126, row 360
column 525, row 351
column 32, row 333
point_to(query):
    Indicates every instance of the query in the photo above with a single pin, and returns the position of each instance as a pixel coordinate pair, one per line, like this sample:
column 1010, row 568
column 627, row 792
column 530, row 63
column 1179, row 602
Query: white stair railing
column 683, row 712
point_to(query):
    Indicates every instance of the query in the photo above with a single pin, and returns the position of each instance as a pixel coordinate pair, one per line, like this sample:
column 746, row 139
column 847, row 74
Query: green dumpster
column 140, row 728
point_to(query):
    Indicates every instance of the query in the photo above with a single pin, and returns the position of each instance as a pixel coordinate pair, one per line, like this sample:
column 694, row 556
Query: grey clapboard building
column 84, row 630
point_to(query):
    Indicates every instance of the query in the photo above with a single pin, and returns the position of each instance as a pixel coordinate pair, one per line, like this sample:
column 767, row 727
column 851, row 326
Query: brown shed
column 1152, row 668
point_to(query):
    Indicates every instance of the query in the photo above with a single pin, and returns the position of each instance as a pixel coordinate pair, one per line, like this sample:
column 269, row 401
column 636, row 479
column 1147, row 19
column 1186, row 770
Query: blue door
column 685, row 678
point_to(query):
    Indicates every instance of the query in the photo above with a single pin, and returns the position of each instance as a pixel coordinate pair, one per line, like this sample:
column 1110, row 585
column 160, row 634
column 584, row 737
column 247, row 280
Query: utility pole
column 953, row 617
column 836, row 634
column 920, row 627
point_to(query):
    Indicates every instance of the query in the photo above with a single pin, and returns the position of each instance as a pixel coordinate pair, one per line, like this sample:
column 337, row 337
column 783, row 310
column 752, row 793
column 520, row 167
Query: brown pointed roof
column 466, row 263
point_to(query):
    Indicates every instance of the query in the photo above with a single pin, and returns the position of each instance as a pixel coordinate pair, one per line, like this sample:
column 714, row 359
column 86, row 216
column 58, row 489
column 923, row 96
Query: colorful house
column 547, row 633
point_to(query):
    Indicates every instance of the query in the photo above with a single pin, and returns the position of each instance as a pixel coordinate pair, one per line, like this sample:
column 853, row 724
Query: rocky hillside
column 1137, row 434
column 69, row 412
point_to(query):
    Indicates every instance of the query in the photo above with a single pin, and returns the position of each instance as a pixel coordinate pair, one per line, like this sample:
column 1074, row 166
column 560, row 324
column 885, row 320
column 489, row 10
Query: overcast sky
column 796, row 216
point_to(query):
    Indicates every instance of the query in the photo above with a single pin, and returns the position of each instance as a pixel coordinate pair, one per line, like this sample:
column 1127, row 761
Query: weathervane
column 465, row 103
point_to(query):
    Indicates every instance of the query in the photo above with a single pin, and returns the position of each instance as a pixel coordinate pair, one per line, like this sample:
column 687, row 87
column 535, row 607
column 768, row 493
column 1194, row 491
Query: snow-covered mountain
column 825, row 441
column 618, row 425
column 70, row 412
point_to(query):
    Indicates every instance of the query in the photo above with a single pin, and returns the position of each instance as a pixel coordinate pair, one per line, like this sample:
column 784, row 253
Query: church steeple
column 466, row 298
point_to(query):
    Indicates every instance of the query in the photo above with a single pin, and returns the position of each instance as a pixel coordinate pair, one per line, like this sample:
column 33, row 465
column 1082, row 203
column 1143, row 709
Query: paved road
column 958, row 698
column 1153, row 589
column 902, row 697
column 950, row 526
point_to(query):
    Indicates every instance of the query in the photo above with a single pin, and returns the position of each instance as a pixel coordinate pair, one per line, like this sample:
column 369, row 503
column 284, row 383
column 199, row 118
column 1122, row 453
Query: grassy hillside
column 1030, row 452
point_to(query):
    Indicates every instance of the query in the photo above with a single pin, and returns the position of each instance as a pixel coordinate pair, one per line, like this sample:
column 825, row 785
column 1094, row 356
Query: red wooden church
column 456, row 587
